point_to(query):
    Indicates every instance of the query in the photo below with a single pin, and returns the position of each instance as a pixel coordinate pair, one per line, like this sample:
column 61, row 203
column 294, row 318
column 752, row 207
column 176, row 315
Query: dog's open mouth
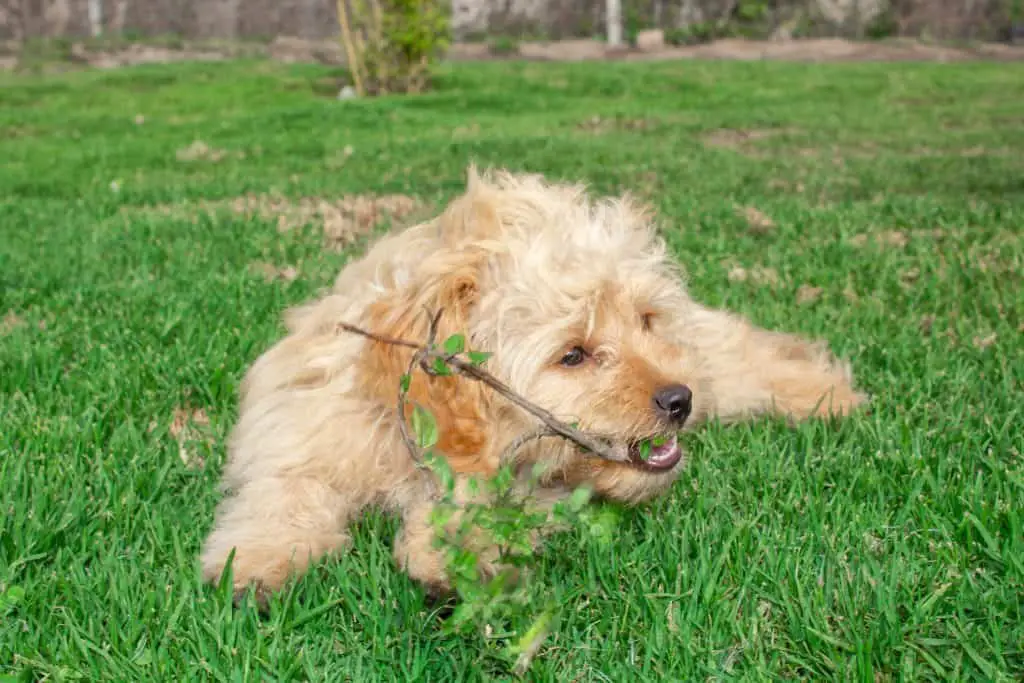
column 659, row 453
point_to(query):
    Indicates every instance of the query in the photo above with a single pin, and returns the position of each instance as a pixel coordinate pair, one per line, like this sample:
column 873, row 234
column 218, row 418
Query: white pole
column 613, row 17
column 96, row 17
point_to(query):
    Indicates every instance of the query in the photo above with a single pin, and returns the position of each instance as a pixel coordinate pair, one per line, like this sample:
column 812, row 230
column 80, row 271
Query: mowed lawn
column 878, row 206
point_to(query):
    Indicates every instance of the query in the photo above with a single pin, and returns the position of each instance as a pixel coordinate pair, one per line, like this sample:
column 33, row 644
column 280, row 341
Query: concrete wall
column 230, row 19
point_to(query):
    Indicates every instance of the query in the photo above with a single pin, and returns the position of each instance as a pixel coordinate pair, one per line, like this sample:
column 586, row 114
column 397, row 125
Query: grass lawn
column 880, row 206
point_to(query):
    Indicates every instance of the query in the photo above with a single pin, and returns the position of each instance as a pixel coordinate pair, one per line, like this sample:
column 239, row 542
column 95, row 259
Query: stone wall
column 191, row 19
column 316, row 19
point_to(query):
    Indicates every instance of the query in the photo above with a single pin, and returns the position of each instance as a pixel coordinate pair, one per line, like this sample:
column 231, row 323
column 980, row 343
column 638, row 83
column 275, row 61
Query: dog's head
column 578, row 304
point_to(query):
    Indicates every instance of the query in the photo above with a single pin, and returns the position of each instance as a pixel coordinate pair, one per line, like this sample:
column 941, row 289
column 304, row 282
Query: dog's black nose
column 673, row 402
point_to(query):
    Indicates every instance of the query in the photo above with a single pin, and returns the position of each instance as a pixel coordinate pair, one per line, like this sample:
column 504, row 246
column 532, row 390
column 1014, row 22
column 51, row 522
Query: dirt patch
column 758, row 222
column 893, row 238
column 139, row 53
column 342, row 220
column 808, row 294
column 10, row 322
column 191, row 429
column 786, row 185
column 298, row 50
column 598, row 125
column 983, row 342
column 758, row 275
column 888, row 239
column 809, row 50
column 199, row 151
column 357, row 215
column 740, row 140
column 270, row 273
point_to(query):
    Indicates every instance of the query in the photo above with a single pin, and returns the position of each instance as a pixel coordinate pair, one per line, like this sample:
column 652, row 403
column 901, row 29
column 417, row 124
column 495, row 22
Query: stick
column 346, row 40
column 425, row 354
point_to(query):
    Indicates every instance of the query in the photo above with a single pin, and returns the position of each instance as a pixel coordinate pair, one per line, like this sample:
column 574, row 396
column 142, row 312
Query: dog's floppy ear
column 447, row 284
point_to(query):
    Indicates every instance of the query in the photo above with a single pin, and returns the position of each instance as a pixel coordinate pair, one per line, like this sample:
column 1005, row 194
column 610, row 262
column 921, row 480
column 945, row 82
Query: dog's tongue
column 659, row 457
column 664, row 455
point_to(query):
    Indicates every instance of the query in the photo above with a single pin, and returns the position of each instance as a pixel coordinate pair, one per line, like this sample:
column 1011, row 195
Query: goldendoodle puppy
column 586, row 316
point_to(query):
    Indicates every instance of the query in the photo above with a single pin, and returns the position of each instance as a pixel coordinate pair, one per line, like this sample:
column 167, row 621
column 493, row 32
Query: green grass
column 888, row 546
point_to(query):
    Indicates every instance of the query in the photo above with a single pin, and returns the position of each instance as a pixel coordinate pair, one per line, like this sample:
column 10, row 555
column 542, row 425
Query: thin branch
column 350, row 52
column 394, row 341
column 426, row 354
column 410, row 443
column 522, row 440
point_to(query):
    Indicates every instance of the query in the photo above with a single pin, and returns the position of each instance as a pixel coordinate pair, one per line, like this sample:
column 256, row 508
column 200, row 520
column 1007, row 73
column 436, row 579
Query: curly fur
column 527, row 269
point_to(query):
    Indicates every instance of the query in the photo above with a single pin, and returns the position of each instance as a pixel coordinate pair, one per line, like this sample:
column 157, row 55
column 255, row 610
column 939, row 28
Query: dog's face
column 576, row 303
column 586, row 332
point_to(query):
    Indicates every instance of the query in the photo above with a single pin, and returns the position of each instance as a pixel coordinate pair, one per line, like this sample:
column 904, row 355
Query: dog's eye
column 646, row 320
column 575, row 356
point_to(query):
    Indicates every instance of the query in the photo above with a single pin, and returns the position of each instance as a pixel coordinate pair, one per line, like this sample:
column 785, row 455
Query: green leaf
column 440, row 467
column 579, row 498
column 538, row 470
column 406, row 381
column 600, row 526
column 455, row 344
column 645, row 450
column 424, row 427
column 538, row 630
column 530, row 643
column 440, row 515
column 11, row 598
column 479, row 357
column 440, row 367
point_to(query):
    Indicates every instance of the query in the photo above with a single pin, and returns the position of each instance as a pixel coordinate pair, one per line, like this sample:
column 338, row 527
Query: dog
column 585, row 314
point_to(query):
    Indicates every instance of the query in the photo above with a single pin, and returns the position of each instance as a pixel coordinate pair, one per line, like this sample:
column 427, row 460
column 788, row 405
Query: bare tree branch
column 522, row 440
column 425, row 355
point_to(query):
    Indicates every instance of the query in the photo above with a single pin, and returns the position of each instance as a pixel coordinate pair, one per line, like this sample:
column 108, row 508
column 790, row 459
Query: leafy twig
column 506, row 521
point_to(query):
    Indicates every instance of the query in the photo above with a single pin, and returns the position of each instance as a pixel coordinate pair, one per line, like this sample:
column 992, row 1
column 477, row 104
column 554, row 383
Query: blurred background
column 302, row 29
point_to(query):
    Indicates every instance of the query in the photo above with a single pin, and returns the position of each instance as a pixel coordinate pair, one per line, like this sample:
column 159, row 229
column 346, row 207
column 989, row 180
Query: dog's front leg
column 746, row 370
column 276, row 527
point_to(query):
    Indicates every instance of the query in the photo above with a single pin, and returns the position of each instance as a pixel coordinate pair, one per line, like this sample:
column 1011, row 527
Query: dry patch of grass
column 758, row 222
column 808, row 294
column 466, row 132
column 342, row 220
column 741, row 140
column 190, row 428
column 598, row 125
column 11, row 321
column 758, row 275
column 200, row 151
column 982, row 342
column 868, row 150
column 271, row 273
column 12, row 132
column 896, row 239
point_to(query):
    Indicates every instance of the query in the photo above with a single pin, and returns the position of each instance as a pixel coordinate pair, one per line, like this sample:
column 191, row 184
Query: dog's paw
column 262, row 572
column 439, row 596
column 259, row 593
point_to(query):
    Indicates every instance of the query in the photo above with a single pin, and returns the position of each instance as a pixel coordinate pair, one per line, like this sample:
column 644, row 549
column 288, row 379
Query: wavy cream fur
column 527, row 269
